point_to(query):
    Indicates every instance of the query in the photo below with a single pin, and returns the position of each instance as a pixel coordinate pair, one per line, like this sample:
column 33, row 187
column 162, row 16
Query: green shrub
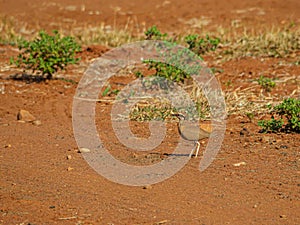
column 195, row 44
column 109, row 91
column 176, row 68
column 200, row 45
column 167, row 71
column 47, row 54
column 285, row 117
column 266, row 83
column 152, row 33
column 272, row 125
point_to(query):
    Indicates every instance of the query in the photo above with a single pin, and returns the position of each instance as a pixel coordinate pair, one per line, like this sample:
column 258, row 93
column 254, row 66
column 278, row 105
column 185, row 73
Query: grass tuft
column 277, row 43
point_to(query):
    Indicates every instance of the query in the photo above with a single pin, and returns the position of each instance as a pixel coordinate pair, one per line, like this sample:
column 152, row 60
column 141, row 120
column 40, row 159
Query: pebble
column 2, row 89
column 268, row 140
column 284, row 146
column 162, row 222
column 7, row 146
column 26, row 116
column 71, row 8
column 83, row 150
column 240, row 164
column 69, row 157
column 70, row 168
column 37, row 122
column 244, row 132
column 147, row 187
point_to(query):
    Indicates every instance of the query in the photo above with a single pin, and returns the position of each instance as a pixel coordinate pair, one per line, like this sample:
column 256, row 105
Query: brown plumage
column 191, row 132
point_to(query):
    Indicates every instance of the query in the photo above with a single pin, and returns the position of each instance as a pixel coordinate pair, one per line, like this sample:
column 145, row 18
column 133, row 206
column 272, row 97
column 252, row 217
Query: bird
column 191, row 132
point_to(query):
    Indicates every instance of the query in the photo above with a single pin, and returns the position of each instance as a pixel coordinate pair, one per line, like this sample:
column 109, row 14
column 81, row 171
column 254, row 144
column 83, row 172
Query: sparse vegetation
column 266, row 83
column 228, row 83
column 138, row 74
column 162, row 69
column 47, row 54
column 272, row 125
column 152, row 109
column 8, row 33
column 272, row 43
column 109, row 91
column 195, row 44
column 281, row 42
column 153, row 33
column 200, row 45
column 285, row 117
column 103, row 35
column 250, row 116
column 114, row 110
column 167, row 71
column 276, row 42
column 182, row 72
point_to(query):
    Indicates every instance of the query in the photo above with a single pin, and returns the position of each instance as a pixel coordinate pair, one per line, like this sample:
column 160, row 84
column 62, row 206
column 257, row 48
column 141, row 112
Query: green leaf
column 107, row 89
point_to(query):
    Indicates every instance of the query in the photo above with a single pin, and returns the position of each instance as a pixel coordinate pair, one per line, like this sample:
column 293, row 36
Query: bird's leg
column 190, row 156
column 198, row 147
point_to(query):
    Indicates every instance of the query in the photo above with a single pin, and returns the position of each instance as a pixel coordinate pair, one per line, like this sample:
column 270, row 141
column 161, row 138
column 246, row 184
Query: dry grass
column 239, row 101
column 277, row 43
column 102, row 35
column 11, row 31
column 152, row 109
column 280, row 42
column 244, row 101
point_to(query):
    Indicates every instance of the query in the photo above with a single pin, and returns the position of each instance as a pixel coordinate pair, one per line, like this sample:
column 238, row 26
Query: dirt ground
column 44, row 180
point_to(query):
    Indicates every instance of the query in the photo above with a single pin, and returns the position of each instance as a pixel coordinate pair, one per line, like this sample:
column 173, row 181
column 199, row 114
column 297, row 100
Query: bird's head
column 179, row 116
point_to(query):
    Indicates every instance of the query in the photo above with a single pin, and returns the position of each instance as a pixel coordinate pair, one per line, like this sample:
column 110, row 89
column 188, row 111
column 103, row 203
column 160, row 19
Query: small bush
column 108, row 91
column 47, row 54
column 266, row 83
column 272, row 125
column 167, row 71
column 162, row 69
column 176, row 69
column 285, row 117
column 200, row 45
column 154, row 34
column 195, row 44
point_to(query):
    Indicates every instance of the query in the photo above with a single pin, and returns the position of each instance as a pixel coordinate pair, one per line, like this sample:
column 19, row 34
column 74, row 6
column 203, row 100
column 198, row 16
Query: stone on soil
column 83, row 150
column 24, row 115
column 37, row 122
